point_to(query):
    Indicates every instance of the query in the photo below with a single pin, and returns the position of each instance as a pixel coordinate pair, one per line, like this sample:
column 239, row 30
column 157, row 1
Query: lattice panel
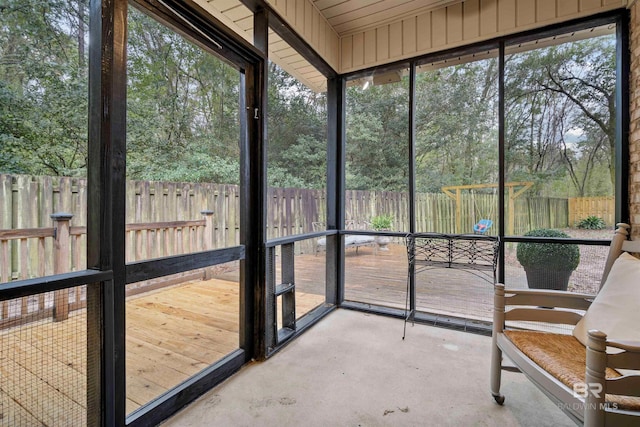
column 43, row 372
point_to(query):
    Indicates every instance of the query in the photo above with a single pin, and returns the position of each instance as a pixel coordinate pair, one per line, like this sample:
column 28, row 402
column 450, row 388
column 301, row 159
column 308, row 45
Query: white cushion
column 358, row 239
column 351, row 240
column 616, row 309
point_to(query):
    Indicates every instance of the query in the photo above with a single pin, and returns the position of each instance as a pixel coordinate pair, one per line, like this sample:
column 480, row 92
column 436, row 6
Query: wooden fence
column 583, row 207
column 68, row 243
column 167, row 218
column 27, row 202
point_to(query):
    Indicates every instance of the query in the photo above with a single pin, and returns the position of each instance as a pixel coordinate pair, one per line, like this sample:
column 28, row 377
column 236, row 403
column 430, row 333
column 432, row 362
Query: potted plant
column 382, row 223
column 548, row 265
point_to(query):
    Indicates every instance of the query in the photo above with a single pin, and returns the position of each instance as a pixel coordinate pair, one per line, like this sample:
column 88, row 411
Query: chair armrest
column 630, row 346
column 539, row 302
column 545, row 298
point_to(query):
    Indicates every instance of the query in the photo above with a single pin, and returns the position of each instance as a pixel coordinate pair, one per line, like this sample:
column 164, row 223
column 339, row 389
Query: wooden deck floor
column 380, row 277
column 172, row 334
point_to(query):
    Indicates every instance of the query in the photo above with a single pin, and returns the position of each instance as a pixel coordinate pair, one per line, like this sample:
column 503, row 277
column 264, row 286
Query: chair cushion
column 358, row 239
column 564, row 357
column 615, row 310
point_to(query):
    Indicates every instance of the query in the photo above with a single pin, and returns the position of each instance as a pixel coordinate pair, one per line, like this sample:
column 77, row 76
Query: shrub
column 591, row 223
column 552, row 256
column 382, row 222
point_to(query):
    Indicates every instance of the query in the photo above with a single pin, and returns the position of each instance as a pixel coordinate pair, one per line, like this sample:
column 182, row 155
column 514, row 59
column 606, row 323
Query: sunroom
column 188, row 187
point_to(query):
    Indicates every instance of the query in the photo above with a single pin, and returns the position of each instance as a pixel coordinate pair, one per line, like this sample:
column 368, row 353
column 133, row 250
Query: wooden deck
column 380, row 277
column 172, row 334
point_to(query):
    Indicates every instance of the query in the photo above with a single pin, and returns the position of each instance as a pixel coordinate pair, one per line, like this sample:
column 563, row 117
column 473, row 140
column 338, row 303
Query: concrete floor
column 354, row 369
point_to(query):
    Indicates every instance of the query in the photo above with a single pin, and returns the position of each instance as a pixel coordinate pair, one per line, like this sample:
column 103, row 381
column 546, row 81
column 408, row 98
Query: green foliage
column 297, row 144
column 456, row 125
column 278, row 176
column 377, row 146
column 591, row 222
column 183, row 118
column 382, row 222
column 43, row 87
column 560, row 117
column 552, row 256
column 182, row 108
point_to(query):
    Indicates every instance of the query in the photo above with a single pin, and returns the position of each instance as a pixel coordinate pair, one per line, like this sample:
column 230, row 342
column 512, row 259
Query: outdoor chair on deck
column 350, row 241
column 594, row 374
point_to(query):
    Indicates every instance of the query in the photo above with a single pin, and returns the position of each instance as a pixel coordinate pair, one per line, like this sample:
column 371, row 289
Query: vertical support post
column 595, row 386
column 336, row 106
column 458, row 211
column 106, row 190
column 512, row 212
column 412, row 184
column 208, row 229
column 253, row 193
column 62, row 252
column 287, row 267
column 501, row 160
column 623, row 119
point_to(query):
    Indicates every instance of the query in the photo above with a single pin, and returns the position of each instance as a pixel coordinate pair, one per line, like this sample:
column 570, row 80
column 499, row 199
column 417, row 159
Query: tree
column 561, row 111
column 378, row 137
column 456, row 125
column 44, row 87
column 297, row 132
column 182, row 105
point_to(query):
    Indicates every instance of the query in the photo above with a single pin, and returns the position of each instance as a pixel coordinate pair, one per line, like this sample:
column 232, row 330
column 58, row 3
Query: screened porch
column 208, row 196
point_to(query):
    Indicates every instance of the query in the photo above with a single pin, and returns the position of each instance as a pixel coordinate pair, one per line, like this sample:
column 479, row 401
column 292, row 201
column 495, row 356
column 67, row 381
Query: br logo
column 582, row 390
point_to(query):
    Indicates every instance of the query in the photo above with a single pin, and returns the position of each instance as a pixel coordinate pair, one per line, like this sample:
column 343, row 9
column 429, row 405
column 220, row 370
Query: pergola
column 327, row 45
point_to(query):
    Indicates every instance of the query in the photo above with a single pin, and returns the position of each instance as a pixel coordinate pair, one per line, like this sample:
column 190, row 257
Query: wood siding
column 309, row 23
column 297, row 13
column 457, row 25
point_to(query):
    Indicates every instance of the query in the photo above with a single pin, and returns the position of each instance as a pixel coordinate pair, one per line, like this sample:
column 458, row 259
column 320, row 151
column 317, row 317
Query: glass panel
column 373, row 275
column 377, row 152
column 583, row 275
column 377, row 183
column 560, row 131
column 178, row 325
column 457, row 145
column 43, row 137
column 456, row 184
column 310, row 274
column 296, row 146
column 183, row 150
column 183, row 166
column 455, row 276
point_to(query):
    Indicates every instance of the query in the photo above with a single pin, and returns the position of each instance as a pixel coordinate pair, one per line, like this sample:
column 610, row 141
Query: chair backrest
column 619, row 244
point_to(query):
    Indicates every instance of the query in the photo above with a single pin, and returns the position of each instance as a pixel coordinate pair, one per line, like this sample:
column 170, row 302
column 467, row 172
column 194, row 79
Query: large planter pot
column 541, row 278
column 382, row 242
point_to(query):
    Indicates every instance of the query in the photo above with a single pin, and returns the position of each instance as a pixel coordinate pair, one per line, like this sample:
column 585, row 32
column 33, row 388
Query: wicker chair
column 598, row 385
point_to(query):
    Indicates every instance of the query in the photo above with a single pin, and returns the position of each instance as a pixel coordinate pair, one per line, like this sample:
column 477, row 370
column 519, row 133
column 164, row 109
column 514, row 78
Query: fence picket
column 27, row 202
